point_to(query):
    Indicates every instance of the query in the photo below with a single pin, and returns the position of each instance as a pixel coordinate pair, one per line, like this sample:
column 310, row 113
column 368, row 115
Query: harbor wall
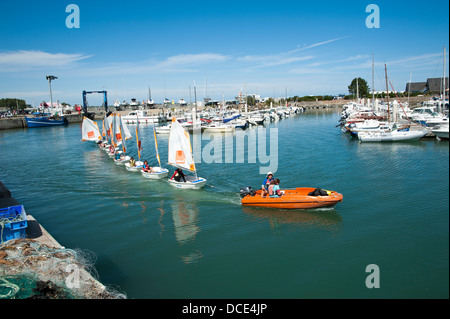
column 18, row 122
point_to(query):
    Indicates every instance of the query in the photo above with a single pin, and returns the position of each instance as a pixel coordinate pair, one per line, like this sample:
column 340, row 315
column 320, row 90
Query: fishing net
column 29, row 269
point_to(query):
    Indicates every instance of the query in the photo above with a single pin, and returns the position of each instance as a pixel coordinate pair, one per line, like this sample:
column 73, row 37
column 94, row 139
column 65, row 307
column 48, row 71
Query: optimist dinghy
column 292, row 199
column 180, row 156
column 157, row 172
column 90, row 131
column 137, row 167
column 119, row 137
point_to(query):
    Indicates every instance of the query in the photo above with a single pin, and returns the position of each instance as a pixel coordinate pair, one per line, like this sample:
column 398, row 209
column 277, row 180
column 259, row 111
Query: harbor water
column 155, row 241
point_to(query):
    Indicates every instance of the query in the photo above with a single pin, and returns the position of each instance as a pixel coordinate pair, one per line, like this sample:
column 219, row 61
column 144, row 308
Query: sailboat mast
column 387, row 93
column 443, row 102
column 156, row 142
column 409, row 86
column 357, row 91
column 195, row 95
column 373, row 84
column 137, row 137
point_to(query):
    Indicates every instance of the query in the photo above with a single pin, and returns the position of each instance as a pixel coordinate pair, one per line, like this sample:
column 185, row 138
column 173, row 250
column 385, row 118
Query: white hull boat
column 122, row 160
column 191, row 183
column 219, row 128
column 136, row 168
column 163, row 129
column 142, row 116
column 158, row 173
column 180, row 156
column 391, row 136
column 441, row 132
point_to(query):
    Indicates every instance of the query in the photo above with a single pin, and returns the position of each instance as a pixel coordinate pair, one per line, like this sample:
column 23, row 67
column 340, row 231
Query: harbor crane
column 91, row 115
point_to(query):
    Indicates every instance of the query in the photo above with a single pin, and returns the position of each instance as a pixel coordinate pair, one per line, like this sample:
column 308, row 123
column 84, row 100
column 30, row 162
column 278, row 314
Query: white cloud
column 37, row 59
column 191, row 59
column 182, row 63
column 319, row 44
column 284, row 57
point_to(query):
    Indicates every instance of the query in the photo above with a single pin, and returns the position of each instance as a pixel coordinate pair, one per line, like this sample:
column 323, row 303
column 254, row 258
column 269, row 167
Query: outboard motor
column 247, row 191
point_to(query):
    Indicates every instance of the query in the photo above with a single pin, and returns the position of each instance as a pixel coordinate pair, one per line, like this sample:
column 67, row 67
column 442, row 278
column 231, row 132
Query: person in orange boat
column 265, row 185
column 274, row 189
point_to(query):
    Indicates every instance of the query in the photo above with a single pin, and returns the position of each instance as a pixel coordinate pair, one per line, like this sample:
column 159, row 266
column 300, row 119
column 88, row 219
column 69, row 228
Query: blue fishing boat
column 44, row 119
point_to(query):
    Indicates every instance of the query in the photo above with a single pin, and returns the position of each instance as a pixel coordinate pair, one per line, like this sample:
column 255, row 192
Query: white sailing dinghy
column 157, row 172
column 119, row 139
column 138, row 164
column 105, row 135
column 90, row 131
column 180, row 156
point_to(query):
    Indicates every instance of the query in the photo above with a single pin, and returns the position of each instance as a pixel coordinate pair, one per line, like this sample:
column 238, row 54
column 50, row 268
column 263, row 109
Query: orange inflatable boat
column 292, row 199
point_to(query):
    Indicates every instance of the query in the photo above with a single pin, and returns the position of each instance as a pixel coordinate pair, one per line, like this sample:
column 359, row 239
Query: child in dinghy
column 146, row 168
column 178, row 175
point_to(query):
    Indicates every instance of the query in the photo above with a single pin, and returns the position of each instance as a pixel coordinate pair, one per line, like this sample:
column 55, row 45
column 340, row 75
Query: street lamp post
column 50, row 78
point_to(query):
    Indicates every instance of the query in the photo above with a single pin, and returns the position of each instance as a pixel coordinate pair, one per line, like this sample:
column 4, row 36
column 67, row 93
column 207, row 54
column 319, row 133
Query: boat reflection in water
column 325, row 218
column 185, row 219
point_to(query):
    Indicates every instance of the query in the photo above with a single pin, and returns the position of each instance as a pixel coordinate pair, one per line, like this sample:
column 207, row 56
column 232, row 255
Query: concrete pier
column 88, row 286
column 34, row 230
column 20, row 122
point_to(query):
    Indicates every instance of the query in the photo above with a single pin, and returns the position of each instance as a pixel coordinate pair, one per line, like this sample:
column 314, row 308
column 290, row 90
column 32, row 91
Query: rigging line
column 398, row 98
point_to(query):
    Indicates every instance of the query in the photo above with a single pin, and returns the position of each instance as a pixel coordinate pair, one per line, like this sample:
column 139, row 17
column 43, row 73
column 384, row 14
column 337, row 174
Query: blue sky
column 263, row 47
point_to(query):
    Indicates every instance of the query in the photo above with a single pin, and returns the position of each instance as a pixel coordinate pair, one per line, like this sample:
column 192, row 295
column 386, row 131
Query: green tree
column 360, row 85
column 13, row 104
column 251, row 100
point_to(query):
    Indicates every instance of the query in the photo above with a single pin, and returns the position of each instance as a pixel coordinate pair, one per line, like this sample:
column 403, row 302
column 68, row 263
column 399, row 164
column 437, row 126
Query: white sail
column 90, row 131
column 108, row 124
column 124, row 145
column 180, row 151
column 138, row 141
column 125, row 130
column 117, row 135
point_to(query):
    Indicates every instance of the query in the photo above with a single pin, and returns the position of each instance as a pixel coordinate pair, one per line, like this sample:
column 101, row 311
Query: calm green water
column 154, row 241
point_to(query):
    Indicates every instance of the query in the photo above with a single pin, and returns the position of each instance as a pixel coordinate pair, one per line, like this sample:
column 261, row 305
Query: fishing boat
column 180, row 156
column 297, row 198
column 156, row 172
column 43, row 120
column 90, row 131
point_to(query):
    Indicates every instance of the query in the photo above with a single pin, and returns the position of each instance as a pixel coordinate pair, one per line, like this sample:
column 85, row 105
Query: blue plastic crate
column 12, row 225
